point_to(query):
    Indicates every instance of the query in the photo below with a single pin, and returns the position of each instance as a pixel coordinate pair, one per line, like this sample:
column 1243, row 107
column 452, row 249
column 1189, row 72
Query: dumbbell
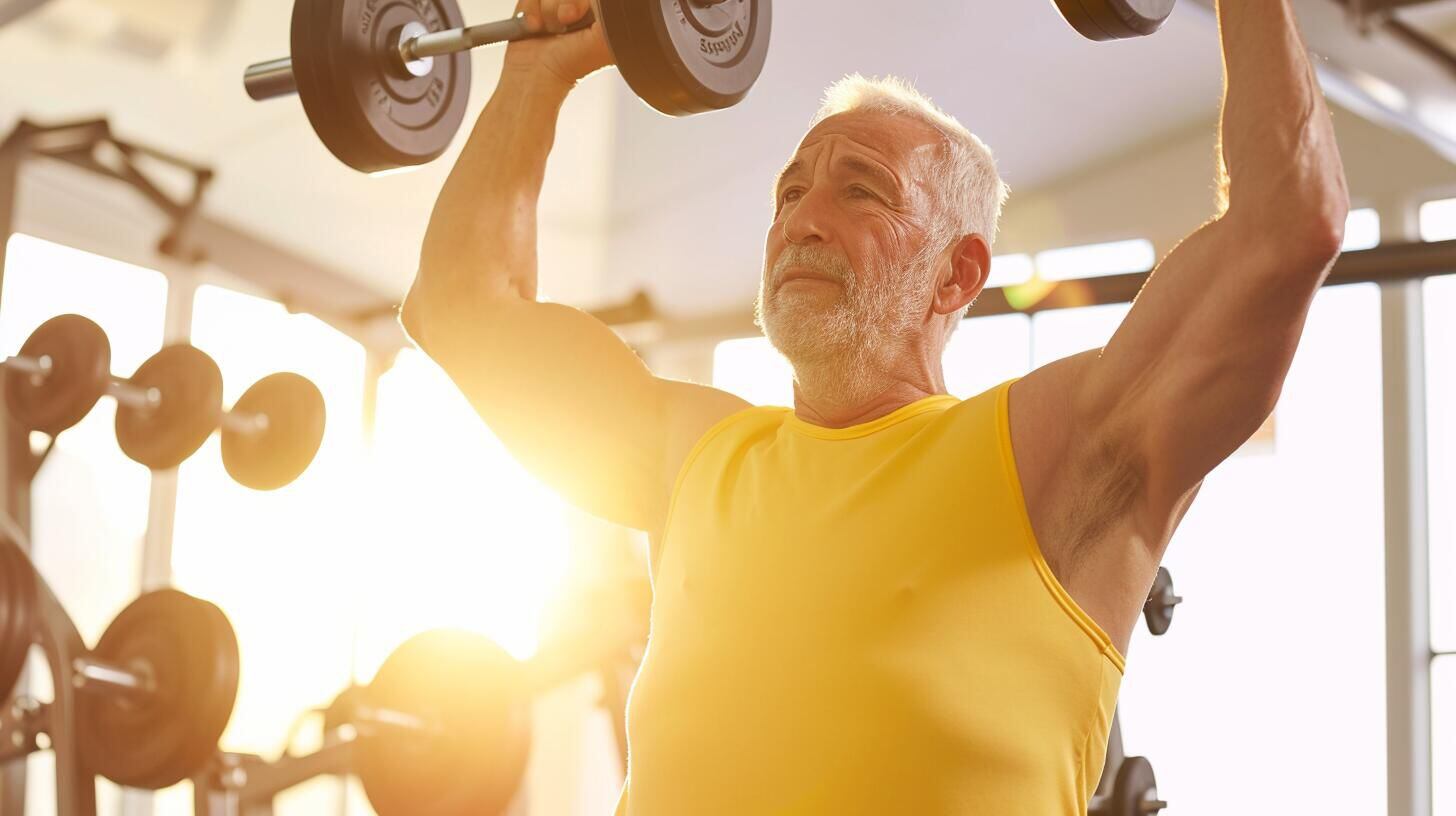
column 62, row 370
column 444, row 728
column 169, row 407
column 1158, row 609
column 164, row 411
column 385, row 85
column 157, row 691
column 1116, row 19
column 268, row 438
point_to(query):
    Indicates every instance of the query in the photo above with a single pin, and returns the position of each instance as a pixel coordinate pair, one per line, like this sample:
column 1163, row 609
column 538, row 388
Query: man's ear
column 965, row 276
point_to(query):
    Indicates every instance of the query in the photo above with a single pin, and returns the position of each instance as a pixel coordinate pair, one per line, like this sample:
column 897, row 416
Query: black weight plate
column 1116, row 19
column 682, row 57
column 470, row 691
column 371, row 113
column 1158, row 610
column 80, row 369
column 17, row 614
column 190, row 408
column 1135, row 785
column 156, row 741
column 272, row 458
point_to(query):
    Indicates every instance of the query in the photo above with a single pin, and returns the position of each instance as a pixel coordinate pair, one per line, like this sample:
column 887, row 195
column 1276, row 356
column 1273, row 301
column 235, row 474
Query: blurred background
column 1275, row 687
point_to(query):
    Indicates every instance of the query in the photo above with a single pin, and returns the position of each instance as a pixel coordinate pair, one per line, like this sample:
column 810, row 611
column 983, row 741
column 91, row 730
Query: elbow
column 1324, row 237
column 1327, row 226
column 1307, row 231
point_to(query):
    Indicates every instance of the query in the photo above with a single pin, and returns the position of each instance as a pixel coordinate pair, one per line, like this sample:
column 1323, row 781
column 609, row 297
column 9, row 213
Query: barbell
column 385, row 85
column 168, row 407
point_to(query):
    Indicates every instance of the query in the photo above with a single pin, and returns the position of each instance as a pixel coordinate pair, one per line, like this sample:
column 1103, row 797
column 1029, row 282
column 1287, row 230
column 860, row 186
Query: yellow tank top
column 860, row 621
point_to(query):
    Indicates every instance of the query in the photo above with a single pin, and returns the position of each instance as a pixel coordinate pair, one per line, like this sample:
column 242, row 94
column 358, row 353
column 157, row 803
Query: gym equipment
column 273, row 432
column 17, row 604
column 444, row 729
column 1116, row 19
column 63, row 368
column 187, row 405
column 157, row 691
column 1135, row 793
column 1158, row 609
column 268, row 439
column 385, row 86
column 169, row 407
column 439, row 742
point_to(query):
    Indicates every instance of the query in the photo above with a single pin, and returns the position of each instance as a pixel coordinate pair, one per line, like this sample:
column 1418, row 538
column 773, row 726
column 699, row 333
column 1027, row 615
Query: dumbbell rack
column 23, row 721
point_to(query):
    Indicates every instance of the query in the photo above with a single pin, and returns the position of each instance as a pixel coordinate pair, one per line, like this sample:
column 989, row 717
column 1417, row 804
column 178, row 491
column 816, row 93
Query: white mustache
column 823, row 263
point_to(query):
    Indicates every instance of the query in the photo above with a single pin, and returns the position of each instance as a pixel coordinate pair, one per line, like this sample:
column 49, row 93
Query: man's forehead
column 885, row 135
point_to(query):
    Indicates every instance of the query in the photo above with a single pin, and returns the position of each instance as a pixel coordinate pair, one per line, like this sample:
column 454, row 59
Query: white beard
column 840, row 346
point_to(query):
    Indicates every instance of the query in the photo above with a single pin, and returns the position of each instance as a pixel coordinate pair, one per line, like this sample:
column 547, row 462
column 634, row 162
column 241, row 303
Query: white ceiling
column 1047, row 102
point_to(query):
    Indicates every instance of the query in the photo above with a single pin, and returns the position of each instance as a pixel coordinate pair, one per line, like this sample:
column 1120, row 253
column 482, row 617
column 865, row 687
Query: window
column 754, row 370
column 1008, row 270
column 1438, row 220
column 463, row 536
column 1096, row 260
column 1362, row 230
column 1281, row 562
column 1440, row 300
column 89, row 502
column 985, row 352
column 279, row 563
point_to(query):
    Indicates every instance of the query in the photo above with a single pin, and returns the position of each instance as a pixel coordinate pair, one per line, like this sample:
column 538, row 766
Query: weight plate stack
column 162, row 437
column 155, row 740
column 471, row 760
column 17, row 614
column 369, row 111
column 80, row 358
column 688, row 56
column 272, row 458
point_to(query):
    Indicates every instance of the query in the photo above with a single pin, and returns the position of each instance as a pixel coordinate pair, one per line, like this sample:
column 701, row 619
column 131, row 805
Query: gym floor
column 1311, row 667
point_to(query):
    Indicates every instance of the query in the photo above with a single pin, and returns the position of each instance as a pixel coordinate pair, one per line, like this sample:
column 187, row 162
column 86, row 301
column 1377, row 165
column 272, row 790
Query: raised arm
column 1201, row 358
column 565, row 395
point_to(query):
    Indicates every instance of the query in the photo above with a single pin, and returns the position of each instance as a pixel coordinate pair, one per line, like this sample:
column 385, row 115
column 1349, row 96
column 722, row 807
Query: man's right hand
column 568, row 57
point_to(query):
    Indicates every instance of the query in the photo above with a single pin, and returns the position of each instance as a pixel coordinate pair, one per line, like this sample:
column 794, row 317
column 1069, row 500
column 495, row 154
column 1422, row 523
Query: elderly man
column 887, row 600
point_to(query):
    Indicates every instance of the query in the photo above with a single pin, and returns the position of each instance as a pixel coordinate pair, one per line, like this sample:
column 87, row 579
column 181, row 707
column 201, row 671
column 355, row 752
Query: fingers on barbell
column 531, row 9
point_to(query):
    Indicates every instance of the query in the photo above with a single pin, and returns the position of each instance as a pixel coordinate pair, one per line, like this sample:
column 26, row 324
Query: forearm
column 481, row 240
column 1281, row 162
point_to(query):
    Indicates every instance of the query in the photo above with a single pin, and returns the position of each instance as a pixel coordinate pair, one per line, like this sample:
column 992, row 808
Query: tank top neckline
column 920, row 406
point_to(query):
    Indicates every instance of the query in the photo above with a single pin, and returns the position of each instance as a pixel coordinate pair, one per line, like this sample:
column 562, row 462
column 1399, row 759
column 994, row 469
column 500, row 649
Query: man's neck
column 837, row 405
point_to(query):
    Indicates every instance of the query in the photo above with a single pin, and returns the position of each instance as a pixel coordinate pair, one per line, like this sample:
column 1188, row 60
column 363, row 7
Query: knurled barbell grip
column 274, row 78
column 123, row 391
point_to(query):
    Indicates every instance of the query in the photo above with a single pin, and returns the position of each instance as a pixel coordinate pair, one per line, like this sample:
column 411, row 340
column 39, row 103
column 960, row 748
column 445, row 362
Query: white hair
column 971, row 194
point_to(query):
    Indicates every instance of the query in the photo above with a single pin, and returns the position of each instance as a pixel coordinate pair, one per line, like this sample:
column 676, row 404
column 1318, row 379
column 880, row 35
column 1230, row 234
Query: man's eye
column 862, row 191
column 792, row 194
